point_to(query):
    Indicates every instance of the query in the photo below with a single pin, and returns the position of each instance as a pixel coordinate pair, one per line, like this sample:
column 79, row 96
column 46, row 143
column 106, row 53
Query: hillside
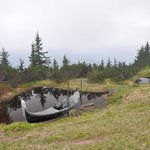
column 124, row 124
column 145, row 72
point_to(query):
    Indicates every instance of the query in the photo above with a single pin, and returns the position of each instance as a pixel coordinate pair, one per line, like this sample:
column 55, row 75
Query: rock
column 86, row 105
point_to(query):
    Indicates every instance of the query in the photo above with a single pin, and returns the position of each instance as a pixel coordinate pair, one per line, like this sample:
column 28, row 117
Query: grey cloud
column 101, row 29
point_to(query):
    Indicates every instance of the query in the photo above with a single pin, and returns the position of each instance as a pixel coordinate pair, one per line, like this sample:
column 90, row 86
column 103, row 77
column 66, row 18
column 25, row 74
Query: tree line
column 42, row 67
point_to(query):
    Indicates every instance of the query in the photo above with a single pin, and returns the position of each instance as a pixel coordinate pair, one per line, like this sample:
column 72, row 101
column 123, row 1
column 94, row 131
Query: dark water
column 143, row 80
column 39, row 99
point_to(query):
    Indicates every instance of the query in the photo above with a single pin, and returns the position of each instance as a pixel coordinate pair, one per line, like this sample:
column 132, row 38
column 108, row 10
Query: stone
column 86, row 105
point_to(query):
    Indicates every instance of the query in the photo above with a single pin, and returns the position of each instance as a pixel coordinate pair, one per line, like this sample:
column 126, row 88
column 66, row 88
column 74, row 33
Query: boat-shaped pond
column 41, row 98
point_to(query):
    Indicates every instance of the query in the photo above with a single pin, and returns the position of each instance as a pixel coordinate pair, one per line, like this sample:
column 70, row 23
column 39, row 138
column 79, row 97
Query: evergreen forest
column 42, row 67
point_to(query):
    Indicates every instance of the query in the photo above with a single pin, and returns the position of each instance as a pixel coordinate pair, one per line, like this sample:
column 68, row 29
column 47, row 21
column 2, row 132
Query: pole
column 81, row 92
column 68, row 99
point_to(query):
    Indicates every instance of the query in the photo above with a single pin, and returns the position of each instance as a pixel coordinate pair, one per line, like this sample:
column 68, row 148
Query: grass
column 5, row 88
column 123, row 124
column 7, row 92
column 143, row 73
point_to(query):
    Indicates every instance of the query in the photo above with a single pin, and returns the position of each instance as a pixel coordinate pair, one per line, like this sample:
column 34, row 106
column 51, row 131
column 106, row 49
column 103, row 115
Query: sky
column 84, row 30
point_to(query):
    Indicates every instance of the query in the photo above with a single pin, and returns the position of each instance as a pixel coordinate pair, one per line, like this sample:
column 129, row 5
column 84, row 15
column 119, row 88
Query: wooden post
column 68, row 99
column 81, row 92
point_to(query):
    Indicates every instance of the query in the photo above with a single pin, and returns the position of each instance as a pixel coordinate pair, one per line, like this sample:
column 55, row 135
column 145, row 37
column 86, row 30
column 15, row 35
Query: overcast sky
column 82, row 29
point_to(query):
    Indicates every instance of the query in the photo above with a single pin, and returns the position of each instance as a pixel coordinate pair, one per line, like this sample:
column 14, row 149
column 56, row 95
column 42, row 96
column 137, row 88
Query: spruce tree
column 38, row 57
column 32, row 58
column 95, row 66
column 101, row 66
column 56, row 74
column 140, row 54
column 65, row 61
column 108, row 63
column 115, row 63
column 55, row 65
column 102, row 63
column 147, row 54
column 4, row 58
column 143, row 56
column 147, row 49
column 21, row 66
column 41, row 58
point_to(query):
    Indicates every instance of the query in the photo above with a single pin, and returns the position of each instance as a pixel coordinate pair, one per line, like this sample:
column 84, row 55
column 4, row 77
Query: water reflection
column 41, row 94
column 41, row 98
column 4, row 114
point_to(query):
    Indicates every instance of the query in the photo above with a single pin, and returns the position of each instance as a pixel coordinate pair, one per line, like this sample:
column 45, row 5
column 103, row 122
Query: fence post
column 68, row 99
column 81, row 92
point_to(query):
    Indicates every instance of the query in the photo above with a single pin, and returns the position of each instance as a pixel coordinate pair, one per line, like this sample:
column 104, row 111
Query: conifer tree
column 147, row 54
column 4, row 58
column 142, row 55
column 102, row 62
column 33, row 56
column 101, row 66
column 147, row 49
column 55, row 65
column 21, row 66
column 95, row 66
column 38, row 57
column 65, row 61
column 56, row 74
column 108, row 63
column 115, row 63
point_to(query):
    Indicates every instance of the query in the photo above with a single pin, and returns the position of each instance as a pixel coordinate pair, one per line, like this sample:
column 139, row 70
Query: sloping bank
column 7, row 91
column 124, row 124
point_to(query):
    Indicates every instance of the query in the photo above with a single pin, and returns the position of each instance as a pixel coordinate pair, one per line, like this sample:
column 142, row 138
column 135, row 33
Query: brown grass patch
column 5, row 89
column 38, row 135
column 89, row 141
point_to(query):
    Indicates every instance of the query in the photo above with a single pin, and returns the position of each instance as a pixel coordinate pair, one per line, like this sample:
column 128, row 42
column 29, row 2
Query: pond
column 41, row 98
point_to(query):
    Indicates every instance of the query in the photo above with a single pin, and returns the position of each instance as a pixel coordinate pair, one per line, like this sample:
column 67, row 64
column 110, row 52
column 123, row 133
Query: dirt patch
column 79, row 142
column 12, row 139
column 1, row 134
column 38, row 135
column 89, row 141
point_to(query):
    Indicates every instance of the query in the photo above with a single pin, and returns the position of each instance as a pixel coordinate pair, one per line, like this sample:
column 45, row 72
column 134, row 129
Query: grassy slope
column 145, row 72
column 124, row 124
column 6, row 91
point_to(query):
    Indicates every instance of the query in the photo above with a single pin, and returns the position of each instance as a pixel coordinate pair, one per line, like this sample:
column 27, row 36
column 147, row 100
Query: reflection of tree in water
column 42, row 99
column 40, row 92
column 26, row 95
column 98, row 94
column 4, row 115
column 91, row 96
column 15, row 103
column 84, row 93
column 56, row 93
column 64, row 92
column 12, row 105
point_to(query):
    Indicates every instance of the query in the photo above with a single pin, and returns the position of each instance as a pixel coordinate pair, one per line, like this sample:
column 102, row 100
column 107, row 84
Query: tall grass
column 5, row 89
